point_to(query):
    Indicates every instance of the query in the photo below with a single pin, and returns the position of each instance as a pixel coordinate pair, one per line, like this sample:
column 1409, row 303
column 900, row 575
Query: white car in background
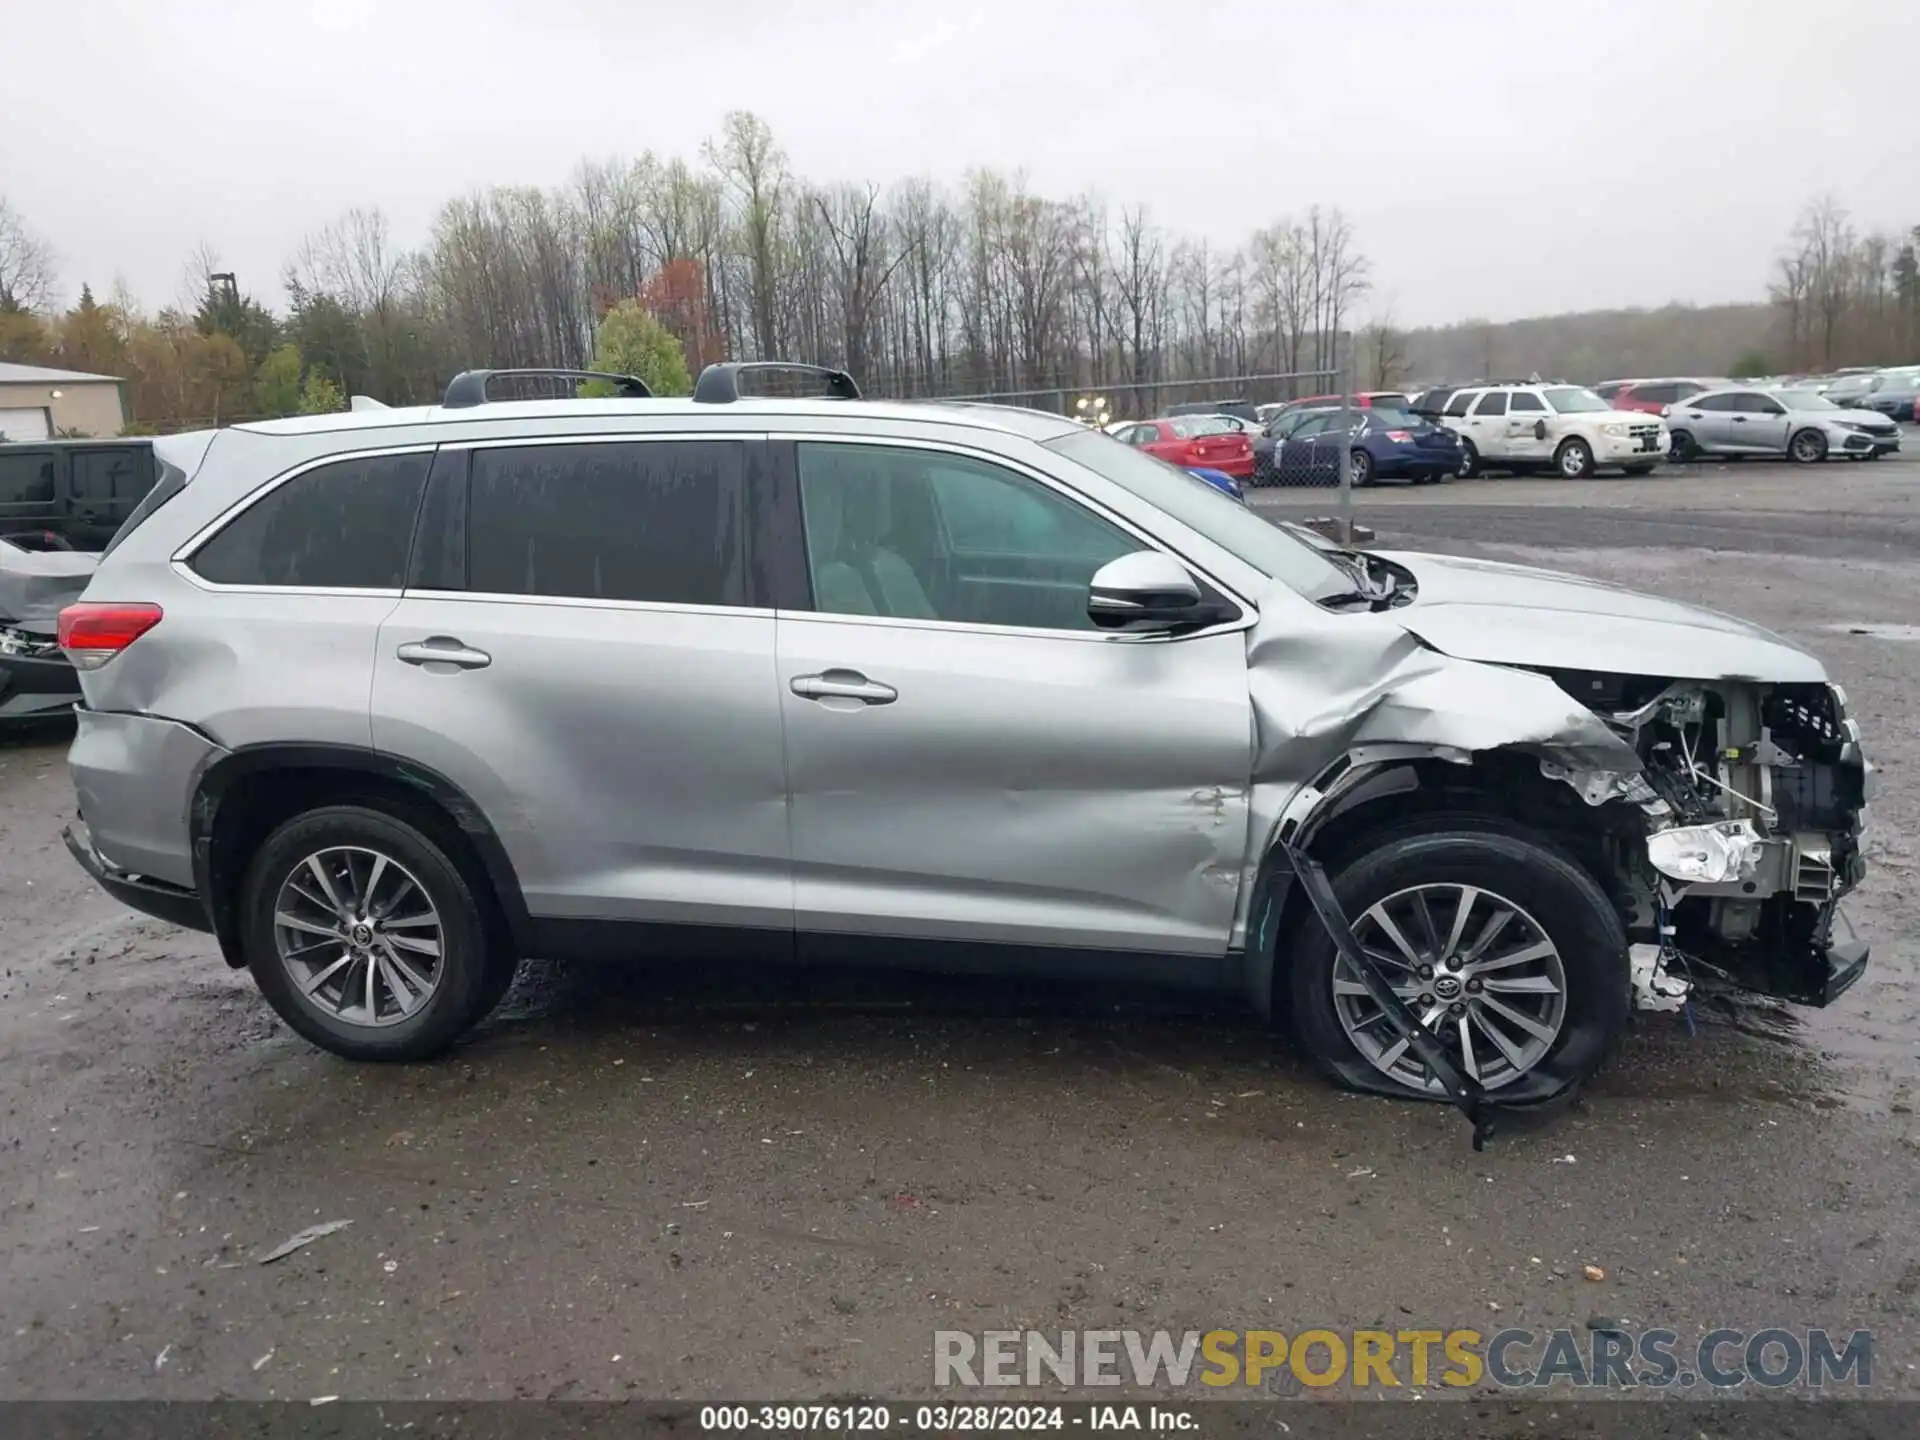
column 1564, row 428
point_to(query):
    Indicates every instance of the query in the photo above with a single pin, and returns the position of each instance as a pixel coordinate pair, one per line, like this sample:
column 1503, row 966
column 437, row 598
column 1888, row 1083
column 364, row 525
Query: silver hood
column 1516, row 615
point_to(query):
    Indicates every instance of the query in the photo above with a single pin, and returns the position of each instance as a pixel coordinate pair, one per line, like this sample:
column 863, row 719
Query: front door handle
column 444, row 650
column 843, row 685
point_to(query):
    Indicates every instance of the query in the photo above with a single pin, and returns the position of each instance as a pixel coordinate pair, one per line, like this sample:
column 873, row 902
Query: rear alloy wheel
column 1362, row 468
column 1469, row 461
column 1809, row 447
column 1503, row 947
column 1574, row 459
column 367, row 937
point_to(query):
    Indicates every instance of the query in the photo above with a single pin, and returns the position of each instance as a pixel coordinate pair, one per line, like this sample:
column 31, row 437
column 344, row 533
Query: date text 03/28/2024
column 943, row 1418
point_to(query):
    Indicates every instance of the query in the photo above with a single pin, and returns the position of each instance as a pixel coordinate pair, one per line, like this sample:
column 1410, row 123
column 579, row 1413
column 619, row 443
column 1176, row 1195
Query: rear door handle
column 444, row 650
column 843, row 685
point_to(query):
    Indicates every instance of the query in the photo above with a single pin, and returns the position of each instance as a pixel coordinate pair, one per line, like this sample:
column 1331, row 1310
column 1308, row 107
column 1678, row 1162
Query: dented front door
column 1013, row 786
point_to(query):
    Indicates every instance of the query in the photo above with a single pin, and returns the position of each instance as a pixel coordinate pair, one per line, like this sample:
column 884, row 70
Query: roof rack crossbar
column 470, row 387
column 719, row 384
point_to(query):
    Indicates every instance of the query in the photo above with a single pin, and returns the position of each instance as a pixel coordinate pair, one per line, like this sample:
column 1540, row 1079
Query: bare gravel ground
column 648, row 1184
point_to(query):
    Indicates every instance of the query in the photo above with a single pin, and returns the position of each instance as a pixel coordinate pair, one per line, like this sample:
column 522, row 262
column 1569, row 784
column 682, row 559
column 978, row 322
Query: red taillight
column 92, row 633
column 1400, row 437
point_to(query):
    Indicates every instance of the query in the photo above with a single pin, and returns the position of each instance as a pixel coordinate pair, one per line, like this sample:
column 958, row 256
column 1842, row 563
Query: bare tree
column 27, row 272
column 756, row 169
column 1139, row 278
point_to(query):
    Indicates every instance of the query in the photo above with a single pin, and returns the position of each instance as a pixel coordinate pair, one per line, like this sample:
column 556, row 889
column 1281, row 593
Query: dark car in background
column 1240, row 407
column 1382, row 444
column 72, row 493
column 1893, row 394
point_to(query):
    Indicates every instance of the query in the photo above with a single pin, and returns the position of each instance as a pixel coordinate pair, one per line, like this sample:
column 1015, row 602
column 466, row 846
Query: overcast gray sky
column 1499, row 158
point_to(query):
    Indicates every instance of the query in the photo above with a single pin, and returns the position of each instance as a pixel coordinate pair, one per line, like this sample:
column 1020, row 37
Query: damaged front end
column 1754, row 797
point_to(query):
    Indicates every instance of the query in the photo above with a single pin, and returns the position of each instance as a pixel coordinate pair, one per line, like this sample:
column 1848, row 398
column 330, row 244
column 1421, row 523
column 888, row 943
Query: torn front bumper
column 1758, row 901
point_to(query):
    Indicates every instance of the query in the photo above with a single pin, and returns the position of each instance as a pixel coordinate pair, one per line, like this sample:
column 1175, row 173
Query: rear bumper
column 135, row 776
column 1418, row 460
column 1241, row 469
column 33, row 686
column 172, row 903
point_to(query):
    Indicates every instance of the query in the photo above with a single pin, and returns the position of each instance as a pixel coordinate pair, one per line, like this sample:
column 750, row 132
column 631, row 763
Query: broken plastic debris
column 160, row 1360
column 908, row 1202
column 1706, row 854
column 1562, row 1160
column 300, row 1241
column 262, row 1361
column 1593, row 1272
column 1653, row 987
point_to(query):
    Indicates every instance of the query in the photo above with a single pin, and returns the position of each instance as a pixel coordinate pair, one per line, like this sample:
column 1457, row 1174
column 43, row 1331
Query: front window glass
column 1212, row 513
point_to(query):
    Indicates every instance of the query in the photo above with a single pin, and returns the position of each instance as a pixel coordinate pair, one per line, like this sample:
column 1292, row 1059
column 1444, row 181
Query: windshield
column 1213, row 513
column 1575, row 400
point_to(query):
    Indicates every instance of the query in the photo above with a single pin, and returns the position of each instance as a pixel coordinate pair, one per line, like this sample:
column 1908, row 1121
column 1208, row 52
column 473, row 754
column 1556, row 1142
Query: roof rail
column 720, row 384
column 469, row 387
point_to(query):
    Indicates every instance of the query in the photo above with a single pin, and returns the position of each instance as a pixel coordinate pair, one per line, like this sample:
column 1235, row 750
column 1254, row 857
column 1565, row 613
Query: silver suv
column 386, row 700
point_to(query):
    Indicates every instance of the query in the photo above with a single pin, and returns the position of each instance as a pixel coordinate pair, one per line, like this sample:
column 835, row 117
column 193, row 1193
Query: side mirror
column 1147, row 590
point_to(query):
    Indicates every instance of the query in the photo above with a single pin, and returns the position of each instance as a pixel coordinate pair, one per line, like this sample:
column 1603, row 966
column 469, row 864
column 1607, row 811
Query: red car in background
column 1194, row 442
column 1365, row 400
column 1653, row 396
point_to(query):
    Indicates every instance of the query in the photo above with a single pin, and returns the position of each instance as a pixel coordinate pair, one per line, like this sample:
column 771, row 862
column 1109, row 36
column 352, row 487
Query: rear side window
column 344, row 525
column 1459, row 403
column 104, row 476
column 649, row 520
column 26, row 479
column 1494, row 402
column 1524, row 400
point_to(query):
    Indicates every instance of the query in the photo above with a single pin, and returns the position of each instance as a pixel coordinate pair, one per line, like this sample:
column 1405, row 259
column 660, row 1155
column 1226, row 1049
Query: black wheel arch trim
column 218, row 777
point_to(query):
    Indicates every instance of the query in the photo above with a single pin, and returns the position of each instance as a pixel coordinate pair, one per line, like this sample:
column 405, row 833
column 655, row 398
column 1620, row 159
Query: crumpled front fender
column 1327, row 686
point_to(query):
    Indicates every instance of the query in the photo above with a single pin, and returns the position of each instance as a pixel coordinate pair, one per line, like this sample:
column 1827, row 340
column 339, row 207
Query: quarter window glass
column 927, row 535
column 1494, row 402
column 1459, row 403
column 654, row 520
column 344, row 525
column 26, row 479
column 1523, row 401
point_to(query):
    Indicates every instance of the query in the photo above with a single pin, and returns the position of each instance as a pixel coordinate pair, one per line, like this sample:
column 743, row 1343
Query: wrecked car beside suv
column 387, row 700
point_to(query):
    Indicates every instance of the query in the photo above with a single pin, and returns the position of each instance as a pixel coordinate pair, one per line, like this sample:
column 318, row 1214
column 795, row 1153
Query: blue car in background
column 1385, row 444
column 1220, row 481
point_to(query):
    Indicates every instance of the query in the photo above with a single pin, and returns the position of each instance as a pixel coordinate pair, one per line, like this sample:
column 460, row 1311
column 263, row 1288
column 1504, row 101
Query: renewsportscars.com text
column 1609, row 1359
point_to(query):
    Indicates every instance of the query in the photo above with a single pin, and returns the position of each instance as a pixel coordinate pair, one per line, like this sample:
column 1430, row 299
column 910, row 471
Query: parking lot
column 647, row 1182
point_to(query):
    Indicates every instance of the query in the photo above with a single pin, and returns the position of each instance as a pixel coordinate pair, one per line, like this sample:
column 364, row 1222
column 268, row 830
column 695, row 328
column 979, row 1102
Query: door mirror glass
column 1146, row 590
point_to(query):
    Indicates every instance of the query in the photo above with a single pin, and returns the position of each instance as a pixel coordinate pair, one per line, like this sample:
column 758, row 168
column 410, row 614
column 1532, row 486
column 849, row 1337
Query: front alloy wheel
column 1501, row 944
column 1478, row 971
column 1809, row 447
column 1574, row 460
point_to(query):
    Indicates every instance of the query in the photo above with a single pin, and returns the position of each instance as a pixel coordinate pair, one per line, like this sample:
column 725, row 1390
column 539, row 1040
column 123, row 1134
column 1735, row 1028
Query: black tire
column 1680, row 448
column 1507, row 861
column 1809, row 447
column 1574, row 459
column 1362, row 468
column 475, row 966
column 1469, row 461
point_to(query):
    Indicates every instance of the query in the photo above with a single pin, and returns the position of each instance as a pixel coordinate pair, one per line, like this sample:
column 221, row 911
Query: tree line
column 919, row 290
